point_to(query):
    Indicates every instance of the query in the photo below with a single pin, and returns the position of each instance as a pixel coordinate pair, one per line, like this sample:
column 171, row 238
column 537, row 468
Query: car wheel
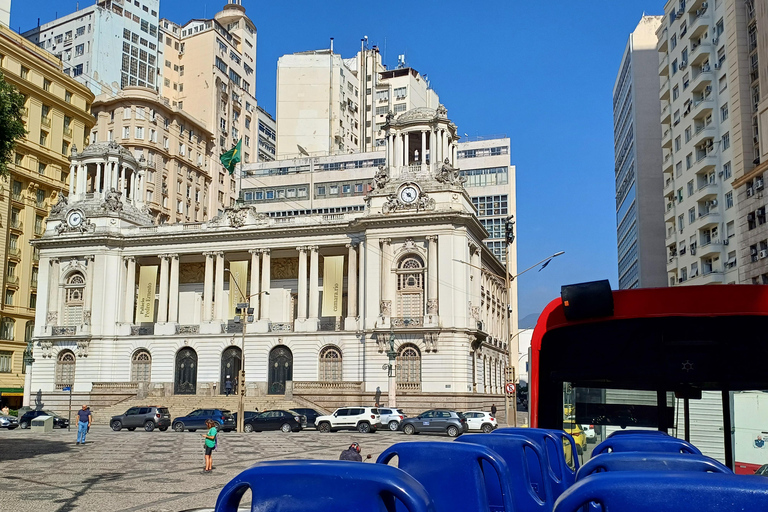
column 409, row 429
column 487, row 427
column 131, row 429
column 286, row 427
column 178, row 426
column 393, row 425
column 248, row 428
column 23, row 424
column 162, row 429
column 149, row 426
column 363, row 427
column 324, row 427
column 116, row 425
column 452, row 431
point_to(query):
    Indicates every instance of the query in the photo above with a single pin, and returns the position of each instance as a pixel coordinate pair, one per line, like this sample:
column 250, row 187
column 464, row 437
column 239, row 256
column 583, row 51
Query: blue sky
column 541, row 73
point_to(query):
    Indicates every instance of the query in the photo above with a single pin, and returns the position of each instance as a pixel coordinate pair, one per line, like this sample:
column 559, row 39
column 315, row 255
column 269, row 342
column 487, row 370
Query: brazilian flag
column 232, row 157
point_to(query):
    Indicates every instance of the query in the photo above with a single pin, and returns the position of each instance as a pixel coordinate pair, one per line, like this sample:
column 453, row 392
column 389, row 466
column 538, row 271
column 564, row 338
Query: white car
column 391, row 418
column 362, row 419
column 481, row 420
column 589, row 432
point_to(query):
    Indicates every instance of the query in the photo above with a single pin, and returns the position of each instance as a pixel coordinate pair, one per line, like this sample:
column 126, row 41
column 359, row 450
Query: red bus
column 672, row 359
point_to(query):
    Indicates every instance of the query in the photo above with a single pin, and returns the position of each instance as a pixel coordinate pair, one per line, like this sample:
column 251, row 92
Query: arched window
column 6, row 328
column 410, row 286
column 75, row 288
column 29, row 330
column 65, row 369
column 330, row 364
column 409, row 365
column 141, row 366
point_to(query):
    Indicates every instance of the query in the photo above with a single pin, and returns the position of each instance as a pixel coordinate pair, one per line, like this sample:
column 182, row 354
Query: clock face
column 409, row 194
column 74, row 219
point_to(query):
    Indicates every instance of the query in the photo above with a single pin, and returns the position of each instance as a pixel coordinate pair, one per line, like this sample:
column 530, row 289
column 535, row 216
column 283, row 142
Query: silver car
column 391, row 418
column 9, row 422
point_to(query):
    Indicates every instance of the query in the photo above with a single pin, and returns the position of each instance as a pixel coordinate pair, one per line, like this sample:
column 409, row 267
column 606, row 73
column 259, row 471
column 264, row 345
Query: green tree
column 11, row 125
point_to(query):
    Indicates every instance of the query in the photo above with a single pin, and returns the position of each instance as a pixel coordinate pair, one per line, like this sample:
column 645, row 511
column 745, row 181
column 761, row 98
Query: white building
column 637, row 138
column 107, row 46
column 328, row 290
column 5, row 12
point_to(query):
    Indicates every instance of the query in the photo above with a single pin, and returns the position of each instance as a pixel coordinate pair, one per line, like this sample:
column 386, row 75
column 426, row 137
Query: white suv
column 481, row 420
column 362, row 419
column 391, row 417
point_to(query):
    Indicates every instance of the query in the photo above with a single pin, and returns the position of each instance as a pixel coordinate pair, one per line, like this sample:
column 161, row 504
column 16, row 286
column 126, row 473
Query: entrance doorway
column 185, row 382
column 231, row 361
column 280, row 369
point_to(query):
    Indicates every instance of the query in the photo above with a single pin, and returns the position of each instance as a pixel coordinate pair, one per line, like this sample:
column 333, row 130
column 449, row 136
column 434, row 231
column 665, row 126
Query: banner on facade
column 145, row 304
column 333, row 285
column 238, row 276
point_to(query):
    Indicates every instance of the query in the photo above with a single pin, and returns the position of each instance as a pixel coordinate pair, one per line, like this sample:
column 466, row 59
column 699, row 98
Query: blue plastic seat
column 562, row 475
column 642, row 461
column 531, row 488
column 325, row 486
column 667, row 491
column 641, row 443
column 454, row 474
column 635, row 431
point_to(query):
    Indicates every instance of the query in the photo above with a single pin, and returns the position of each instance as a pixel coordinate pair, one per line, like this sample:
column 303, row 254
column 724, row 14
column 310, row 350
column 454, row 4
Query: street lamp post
column 392, row 383
column 509, row 229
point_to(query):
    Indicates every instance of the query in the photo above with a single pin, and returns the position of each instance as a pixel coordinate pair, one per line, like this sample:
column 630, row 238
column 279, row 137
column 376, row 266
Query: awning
column 11, row 391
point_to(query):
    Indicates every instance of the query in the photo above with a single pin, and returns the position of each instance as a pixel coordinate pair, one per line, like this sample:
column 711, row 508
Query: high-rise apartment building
column 107, row 46
column 701, row 139
column 637, row 137
column 5, row 12
column 330, row 105
column 177, row 150
column 57, row 118
column 210, row 73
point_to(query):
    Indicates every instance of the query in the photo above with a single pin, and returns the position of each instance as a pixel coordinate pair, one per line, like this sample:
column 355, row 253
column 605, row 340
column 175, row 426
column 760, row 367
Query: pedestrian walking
column 83, row 423
column 493, row 410
column 228, row 386
column 353, row 453
column 209, row 444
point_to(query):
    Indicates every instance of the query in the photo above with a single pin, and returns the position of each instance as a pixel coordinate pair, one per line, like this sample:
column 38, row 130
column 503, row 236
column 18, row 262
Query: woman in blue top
column 210, row 444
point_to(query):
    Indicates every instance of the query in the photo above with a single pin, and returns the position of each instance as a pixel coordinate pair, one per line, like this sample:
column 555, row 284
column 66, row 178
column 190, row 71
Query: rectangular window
column 727, row 170
column 6, row 359
column 724, row 112
column 140, row 132
column 9, row 294
column 726, row 141
column 729, row 200
column 79, row 50
column 126, row 132
column 401, row 92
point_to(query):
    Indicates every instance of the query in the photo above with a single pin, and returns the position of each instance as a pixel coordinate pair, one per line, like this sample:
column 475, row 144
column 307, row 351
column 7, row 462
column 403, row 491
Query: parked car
column 589, row 433
column 286, row 421
column 26, row 420
column 437, row 420
column 149, row 418
column 311, row 415
column 362, row 419
column 196, row 419
column 9, row 422
column 481, row 420
column 247, row 415
column 578, row 435
column 391, row 417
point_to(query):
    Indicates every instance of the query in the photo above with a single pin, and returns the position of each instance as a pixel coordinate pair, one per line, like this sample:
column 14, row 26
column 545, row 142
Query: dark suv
column 196, row 419
column 145, row 417
column 450, row 422
column 58, row 422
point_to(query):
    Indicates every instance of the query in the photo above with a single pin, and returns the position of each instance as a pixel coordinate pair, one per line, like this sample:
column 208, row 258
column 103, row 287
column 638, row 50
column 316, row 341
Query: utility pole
column 391, row 367
column 509, row 231
column 243, row 315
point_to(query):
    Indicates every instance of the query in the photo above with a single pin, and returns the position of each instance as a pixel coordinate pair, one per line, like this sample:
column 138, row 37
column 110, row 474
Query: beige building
column 210, row 72
column 177, row 150
column 57, row 119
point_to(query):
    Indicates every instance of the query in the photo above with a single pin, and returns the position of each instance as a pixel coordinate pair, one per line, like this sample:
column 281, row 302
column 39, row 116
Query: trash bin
column 42, row 424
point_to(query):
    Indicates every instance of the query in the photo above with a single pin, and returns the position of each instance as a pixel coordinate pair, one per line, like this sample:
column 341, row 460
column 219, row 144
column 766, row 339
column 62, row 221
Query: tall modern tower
column 637, row 138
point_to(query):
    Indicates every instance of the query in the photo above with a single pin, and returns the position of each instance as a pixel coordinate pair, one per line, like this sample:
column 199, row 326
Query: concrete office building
column 637, row 137
column 328, row 105
column 5, row 12
column 210, row 73
column 176, row 148
column 57, row 118
column 107, row 46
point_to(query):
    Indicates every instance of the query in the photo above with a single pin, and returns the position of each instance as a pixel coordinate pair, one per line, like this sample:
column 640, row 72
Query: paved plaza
column 151, row 471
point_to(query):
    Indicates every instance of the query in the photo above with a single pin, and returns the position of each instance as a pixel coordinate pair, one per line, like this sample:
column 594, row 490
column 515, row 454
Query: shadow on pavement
column 16, row 449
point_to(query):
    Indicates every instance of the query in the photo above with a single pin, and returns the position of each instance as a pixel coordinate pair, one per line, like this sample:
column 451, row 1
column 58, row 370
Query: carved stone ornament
column 60, row 205
column 382, row 340
column 430, row 340
column 46, row 348
column 237, row 217
column 393, row 203
column 87, row 317
column 385, row 307
column 112, row 203
column 381, row 178
column 52, row 317
column 408, row 245
column 82, row 348
column 450, row 175
column 432, row 306
column 85, row 227
column 474, row 311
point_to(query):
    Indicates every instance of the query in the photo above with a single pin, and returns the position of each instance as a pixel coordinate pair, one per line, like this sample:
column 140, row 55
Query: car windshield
column 461, row 415
column 763, row 470
column 374, row 411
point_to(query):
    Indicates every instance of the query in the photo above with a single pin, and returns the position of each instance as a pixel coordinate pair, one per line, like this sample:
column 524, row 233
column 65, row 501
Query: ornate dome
column 102, row 149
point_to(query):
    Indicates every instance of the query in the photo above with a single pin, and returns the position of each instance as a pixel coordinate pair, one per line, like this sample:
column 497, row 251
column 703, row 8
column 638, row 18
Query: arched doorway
column 186, row 372
column 231, row 360
column 280, row 369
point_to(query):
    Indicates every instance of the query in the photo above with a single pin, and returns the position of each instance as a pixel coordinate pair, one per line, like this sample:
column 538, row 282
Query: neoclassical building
column 123, row 301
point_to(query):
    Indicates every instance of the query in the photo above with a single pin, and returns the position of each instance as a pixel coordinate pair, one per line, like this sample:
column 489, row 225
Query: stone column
column 143, row 186
column 423, row 150
column 113, row 183
column 130, row 289
column 453, row 154
column 434, row 157
column 131, row 185
column 432, row 303
column 398, row 150
column 266, row 284
column 407, row 152
column 255, row 281
column 72, row 177
column 97, row 182
column 385, row 301
column 391, row 150
column 302, row 285
column 162, row 308
column 52, row 317
column 173, row 297
column 474, row 259
column 445, row 143
column 314, row 285
column 221, row 304
column 208, row 287
column 80, row 189
column 352, row 281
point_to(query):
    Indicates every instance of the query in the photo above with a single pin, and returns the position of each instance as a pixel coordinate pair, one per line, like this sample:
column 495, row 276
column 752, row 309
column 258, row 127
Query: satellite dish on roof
column 302, row 150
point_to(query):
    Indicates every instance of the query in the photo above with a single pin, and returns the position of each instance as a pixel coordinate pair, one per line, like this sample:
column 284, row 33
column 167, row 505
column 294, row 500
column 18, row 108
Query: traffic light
column 509, row 229
column 241, row 382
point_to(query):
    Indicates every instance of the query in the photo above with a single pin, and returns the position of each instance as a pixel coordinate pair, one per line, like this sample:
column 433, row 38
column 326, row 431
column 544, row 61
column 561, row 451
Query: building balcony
column 702, row 79
column 663, row 43
column 707, row 162
column 666, row 114
column 709, row 219
column 17, row 225
column 68, row 132
column 701, row 52
column 711, row 248
column 664, row 89
column 666, row 139
column 664, row 66
column 45, row 121
column 14, row 252
column 668, row 166
column 25, row 112
column 12, row 280
column 707, row 191
column 712, row 277
column 700, row 25
column 703, row 107
column 694, row 5
column 703, row 133
column 669, row 212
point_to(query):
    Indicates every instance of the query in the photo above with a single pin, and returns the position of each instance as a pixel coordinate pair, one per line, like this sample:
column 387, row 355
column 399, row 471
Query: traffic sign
column 66, row 388
column 510, row 388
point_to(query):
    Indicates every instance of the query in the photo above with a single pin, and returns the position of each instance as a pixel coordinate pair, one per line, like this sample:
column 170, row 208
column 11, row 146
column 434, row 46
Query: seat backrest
column 642, row 461
column 634, row 431
column 551, row 442
column 531, row 487
column 641, row 443
column 667, row 491
column 324, row 486
column 453, row 473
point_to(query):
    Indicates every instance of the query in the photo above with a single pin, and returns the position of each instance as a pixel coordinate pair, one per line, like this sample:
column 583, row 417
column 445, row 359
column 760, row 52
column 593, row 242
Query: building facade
column 176, row 148
column 331, row 293
column 637, row 138
column 57, row 118
column 107, row 46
